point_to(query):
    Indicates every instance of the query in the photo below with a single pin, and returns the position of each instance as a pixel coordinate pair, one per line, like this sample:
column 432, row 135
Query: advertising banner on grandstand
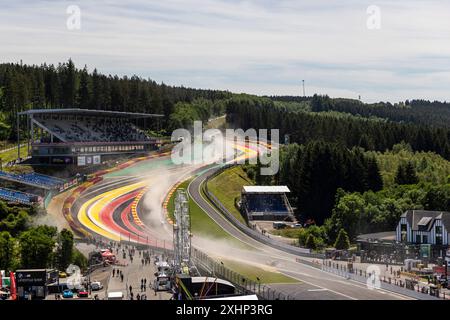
column 97, row 159
column 61, row 160
column 81, row 161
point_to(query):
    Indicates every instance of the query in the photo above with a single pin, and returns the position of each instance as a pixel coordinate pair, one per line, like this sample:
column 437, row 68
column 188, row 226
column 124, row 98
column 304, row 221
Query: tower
column 181, row 232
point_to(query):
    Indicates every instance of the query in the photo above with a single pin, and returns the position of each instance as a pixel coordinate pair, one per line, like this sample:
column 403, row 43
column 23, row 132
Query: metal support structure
column 181, row 232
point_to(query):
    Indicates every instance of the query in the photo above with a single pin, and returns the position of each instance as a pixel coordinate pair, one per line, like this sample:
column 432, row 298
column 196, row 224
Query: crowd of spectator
column 16, row 196
column 91, row 129
column 266, row 203
column 34, row 179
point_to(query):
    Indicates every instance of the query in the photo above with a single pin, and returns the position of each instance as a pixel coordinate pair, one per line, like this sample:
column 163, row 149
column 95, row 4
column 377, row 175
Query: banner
column 13, row 286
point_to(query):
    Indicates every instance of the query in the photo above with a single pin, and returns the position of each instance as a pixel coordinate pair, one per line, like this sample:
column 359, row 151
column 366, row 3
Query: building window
column 424, row 239
column 418, row 238
column 403, row 232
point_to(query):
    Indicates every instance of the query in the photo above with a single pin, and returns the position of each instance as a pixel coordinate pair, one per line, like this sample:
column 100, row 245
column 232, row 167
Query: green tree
column 84, row 95
column 406, row 174
column 311, row 242
column 79, row 259
column 36, row 247
column 374, row 179
column 342, row 241
column 7, row 252
column 64, row 253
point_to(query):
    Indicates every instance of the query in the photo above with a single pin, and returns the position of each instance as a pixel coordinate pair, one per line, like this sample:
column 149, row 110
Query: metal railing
column 242, row 284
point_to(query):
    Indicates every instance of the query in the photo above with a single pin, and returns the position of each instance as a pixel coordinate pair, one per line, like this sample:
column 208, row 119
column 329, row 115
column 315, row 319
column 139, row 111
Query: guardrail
column 245, row 229
column 391, row 284
column 242, row 284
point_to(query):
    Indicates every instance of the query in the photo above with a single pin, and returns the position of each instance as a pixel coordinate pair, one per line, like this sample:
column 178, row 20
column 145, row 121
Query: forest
column 344, row 156
column 24, row 87
column 23, row 245
column 349, row 174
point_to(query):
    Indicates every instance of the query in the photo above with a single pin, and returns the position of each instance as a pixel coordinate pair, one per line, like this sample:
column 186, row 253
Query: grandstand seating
column 94, row 130
column 33, row 179
column 16, row 196
column 266, row 203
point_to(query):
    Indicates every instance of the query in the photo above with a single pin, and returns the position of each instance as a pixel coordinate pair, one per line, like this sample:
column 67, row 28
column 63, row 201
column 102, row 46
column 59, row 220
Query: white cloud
column 263, row 47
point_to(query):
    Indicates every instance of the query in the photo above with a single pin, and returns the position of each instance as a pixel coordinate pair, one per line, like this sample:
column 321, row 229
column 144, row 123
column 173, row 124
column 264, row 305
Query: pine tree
column 342, row 240
column 84, row 96
column 406, row 174
column 68, row 84
column 410, row 173
column 311, row 242
column 374, row 179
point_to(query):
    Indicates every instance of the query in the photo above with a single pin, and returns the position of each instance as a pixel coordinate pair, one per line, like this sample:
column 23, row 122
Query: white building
column 424, row 227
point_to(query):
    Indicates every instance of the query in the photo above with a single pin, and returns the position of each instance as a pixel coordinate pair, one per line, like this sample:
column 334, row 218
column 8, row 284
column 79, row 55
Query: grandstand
column 83, row 137
column 19, row 197
column 266, row 203
column 33, row 179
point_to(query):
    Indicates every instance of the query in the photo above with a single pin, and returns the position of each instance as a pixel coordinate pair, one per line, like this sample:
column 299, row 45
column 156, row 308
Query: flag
column 13, row 286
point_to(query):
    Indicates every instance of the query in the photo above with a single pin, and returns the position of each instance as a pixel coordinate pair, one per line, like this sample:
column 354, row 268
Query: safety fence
column 374, row 280
column 242, row 284
column 209, row 267
column 248, row 231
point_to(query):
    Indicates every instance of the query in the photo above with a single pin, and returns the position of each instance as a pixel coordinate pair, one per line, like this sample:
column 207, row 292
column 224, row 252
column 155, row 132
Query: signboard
column 89, row 160
column 31, row 278
column 97, row 160
column 81, row 161
column 6, row 282
column 425, row 251
column 287, row 139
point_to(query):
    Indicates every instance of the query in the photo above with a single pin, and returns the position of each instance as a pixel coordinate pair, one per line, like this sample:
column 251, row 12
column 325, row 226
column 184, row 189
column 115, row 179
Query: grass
column 252, row 272
column 11, row 155
column 227, row 187
column 218, row 123
column 201, row 223
column 292, row 233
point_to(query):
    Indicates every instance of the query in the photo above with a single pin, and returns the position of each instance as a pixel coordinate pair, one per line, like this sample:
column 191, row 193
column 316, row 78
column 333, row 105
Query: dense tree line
column 315, row 172
column 431, row 113
column 428, row 166
column 368, row 212
column 24, row 87
column 252, row 112
column 321, row 168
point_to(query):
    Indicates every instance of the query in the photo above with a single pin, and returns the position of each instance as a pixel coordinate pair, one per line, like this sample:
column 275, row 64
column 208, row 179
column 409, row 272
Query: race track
column 127, row 205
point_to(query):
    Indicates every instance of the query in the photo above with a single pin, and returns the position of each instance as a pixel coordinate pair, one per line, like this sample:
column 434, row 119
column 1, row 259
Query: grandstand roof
column 266, row 189
column 89, row 112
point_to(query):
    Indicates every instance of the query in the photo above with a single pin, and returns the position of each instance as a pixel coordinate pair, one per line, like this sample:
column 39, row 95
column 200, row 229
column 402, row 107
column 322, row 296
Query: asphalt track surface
column 117, row 209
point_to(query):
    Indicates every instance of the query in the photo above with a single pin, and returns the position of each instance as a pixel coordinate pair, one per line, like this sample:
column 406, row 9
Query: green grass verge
column 287, row 233
column 227, row 187
column 201, row 223
column 252, row 272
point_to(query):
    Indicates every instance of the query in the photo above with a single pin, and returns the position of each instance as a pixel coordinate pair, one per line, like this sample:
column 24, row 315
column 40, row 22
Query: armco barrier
column 250, row 232
column 363, row 277
column 242, row 284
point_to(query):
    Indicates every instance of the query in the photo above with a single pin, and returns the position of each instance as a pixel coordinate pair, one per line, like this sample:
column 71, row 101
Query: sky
column 379, row 50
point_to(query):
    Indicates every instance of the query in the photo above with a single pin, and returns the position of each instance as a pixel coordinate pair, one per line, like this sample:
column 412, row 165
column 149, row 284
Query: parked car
column 96, row 285
column 67, row 294
column 82, row 293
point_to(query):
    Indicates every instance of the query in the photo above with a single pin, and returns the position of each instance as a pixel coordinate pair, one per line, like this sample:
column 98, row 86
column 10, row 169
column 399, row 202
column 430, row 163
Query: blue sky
column 261, row 46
